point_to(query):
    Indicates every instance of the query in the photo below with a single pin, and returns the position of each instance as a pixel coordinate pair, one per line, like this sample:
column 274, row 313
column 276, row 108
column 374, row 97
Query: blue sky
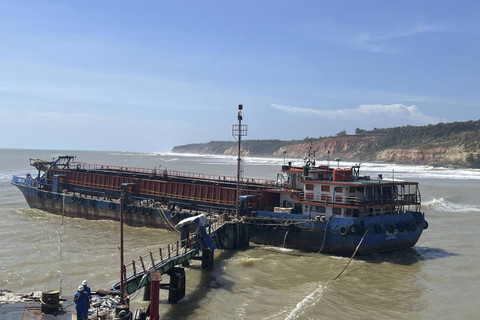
column 149, row 75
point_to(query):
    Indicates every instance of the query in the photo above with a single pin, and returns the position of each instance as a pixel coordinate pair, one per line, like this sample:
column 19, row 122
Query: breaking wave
column 445, row 205
column 309, row 300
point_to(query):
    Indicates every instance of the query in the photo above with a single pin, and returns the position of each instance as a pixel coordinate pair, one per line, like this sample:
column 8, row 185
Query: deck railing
column 172, row 173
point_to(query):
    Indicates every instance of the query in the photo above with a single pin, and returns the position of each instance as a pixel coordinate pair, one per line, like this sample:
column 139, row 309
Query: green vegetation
column 466, row 133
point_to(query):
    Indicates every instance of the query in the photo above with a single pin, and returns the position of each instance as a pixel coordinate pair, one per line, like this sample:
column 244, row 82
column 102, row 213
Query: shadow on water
column 408, row 256
column 209, row 280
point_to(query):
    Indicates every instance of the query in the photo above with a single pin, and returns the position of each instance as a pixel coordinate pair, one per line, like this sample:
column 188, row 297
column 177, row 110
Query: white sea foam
column 445, row 205
column 309, row 300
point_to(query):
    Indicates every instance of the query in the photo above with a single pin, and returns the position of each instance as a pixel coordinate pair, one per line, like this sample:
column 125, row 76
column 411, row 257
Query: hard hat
column 80, row 288
column 84, row 282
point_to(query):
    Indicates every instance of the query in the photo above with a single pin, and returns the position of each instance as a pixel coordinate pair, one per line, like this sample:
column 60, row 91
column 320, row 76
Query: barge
column 308, row 207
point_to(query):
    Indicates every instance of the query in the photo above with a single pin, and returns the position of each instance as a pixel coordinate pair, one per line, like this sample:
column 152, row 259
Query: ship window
column 337, row 211
column 309, row 187
column 321, row 209
column 326, row 188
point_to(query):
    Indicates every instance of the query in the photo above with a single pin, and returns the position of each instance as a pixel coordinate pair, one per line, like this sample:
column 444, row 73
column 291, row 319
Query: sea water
column 436, row 279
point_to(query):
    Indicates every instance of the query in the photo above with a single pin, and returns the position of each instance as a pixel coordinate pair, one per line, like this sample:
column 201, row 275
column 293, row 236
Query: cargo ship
column 308, row 207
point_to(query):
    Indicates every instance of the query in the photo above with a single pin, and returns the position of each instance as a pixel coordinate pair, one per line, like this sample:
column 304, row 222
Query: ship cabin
column 323, row 191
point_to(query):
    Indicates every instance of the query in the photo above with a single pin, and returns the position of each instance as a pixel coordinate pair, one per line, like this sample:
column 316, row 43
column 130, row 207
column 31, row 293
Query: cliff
column 454, row 144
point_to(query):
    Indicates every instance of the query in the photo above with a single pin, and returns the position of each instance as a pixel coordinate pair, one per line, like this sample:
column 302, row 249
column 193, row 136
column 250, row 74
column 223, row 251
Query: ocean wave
column 309, row 300
column 445, row 205
column 6, row 176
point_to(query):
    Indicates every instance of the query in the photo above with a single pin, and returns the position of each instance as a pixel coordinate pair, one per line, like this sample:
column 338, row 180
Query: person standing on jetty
column 81, row 303
column 87, row 290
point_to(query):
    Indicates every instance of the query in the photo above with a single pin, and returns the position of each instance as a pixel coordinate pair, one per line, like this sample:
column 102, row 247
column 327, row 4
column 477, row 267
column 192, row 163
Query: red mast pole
column 122, row 288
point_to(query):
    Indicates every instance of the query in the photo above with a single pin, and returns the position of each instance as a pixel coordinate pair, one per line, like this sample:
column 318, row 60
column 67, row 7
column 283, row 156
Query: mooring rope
column 354, row 253
column 168, row 221
column 324, row 237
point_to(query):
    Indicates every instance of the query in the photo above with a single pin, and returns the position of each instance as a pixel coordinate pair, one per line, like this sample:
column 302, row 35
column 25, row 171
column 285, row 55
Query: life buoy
column 111, row 206
column 378, row 229
column 343, row 230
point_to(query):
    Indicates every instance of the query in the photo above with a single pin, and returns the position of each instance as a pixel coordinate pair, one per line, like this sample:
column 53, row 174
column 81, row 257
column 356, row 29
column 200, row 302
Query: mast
column 239, row 130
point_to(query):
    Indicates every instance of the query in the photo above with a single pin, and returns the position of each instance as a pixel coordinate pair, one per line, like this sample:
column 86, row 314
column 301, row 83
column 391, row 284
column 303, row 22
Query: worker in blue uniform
column 81, row 303
column 87, row 291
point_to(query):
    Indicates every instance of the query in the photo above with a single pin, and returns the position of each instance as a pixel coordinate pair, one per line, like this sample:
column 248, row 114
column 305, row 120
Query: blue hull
column 95, row 208
column 341, row 235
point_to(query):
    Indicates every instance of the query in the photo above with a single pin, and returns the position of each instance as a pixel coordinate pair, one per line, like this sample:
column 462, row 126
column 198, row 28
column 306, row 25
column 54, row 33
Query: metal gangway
column 165, row 259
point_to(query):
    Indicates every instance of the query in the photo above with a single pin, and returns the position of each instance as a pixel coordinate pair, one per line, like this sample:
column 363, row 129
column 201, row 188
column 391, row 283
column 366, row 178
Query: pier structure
column 146, row 272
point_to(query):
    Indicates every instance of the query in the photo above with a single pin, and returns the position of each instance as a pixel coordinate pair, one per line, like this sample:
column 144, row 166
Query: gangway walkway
column 164, row 260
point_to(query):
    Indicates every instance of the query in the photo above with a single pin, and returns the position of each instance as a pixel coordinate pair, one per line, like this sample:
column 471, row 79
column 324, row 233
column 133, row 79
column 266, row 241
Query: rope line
column 354, row 253
column 324, row 237
column 168, row 221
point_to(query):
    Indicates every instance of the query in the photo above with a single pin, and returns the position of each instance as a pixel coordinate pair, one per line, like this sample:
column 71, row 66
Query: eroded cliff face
column 435, row 156
column 364, row 148
column 347, row 148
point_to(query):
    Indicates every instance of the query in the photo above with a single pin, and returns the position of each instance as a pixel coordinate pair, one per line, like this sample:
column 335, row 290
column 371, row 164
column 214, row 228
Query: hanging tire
column 57, row 196
column 173, row 214
column 80, row 200
column 390, row 228
column 111, row 206
column 400, row 227
column 74, row 198
column 378, row 229
column 426, row 225
column 343, row 230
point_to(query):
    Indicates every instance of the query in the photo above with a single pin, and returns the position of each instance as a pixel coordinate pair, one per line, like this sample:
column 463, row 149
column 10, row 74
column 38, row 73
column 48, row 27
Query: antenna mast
column 238, row 131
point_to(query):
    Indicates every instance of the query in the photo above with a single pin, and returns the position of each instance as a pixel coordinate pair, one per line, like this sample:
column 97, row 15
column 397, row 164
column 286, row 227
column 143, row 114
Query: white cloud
column 391, row 114
column 379, row 43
